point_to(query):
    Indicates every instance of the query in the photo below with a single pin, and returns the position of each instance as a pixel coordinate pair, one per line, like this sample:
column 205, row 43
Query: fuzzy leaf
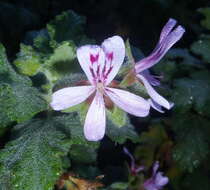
column 83, row 154
column 60, row 62
column 197, row 180
column 190, row 93
column 19, row 100
column 206, row 21
column 117, row 116
column 191, row 131
column 34, row 156
column 202, row 47
column 67, row 26
column 28, row 61
column 120, row 135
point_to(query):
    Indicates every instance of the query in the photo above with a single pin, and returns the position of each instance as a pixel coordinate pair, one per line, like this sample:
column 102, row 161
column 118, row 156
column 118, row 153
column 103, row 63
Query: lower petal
column 95, row 122
column 155, row 106
column 161, row 180
column 129, row 102
column 153, row 94
column 67, row 97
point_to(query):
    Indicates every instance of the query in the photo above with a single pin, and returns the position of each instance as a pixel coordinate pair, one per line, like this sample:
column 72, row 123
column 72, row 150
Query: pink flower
column 168, row 37
column 157, row 181
column 133, row 168
column 100, row 64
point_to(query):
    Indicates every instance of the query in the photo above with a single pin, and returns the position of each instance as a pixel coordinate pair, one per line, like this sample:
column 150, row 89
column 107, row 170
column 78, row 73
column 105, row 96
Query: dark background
column 140, row 20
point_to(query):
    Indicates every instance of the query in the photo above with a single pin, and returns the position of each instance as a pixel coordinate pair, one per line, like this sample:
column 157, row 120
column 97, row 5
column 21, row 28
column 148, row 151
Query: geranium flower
column 100, row 64
column 157, row 181
column 168, row 37
column 133, row 167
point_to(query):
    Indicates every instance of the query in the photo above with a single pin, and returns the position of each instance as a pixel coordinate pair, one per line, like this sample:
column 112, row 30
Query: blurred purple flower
column 157, row 181
column 168, row 37
column 133, row 168
column 100, row 64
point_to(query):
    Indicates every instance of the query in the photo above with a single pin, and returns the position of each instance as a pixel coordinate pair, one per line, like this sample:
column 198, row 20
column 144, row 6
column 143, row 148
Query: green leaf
column 189, row 93
column 206, row 21
column 202, row 47
column 28, row 61
column 197, row 180
column 119, row 186
column 120, row 135
column 83, row 154
column 117, row 116
column 67, row 26
column 60, row 62
column 69, row 80
column 19, row 100
column 167, row 68
column 42, row 42
column 177, row 62
column 192, row 140
column 139, row 89
column 34, row 156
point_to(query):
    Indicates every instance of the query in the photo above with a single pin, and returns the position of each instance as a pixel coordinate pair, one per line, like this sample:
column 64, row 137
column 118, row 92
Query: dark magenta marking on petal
column 110, row 56
column 98, row 70
column 92, row 72
column 110, row 69
column 94, row 58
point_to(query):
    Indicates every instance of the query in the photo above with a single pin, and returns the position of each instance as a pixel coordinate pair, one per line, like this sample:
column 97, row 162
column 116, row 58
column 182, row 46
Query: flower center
column 100, row 87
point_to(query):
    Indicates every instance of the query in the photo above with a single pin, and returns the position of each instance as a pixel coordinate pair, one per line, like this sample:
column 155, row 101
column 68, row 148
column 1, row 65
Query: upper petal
column 167, row 29
column 95, row 122
column 167, row 39
column 114, row 49
column 67, row 97
column 129, row 102
column 153, row 94
column 91, row 58
column 155, row 168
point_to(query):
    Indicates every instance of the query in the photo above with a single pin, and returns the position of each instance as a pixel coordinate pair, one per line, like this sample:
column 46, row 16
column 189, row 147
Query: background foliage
column 43, row 150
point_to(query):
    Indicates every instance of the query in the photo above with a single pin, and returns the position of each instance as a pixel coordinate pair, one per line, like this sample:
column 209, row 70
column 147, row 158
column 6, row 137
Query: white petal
column 85, row 55
column 153, row 94
column 155, row 168
column 113, row 46
column 129, row 102
column 95, row 122
column 161, row 180
column 67, row 97
column 167, row 29
column 161, row 49
column 155, row 106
